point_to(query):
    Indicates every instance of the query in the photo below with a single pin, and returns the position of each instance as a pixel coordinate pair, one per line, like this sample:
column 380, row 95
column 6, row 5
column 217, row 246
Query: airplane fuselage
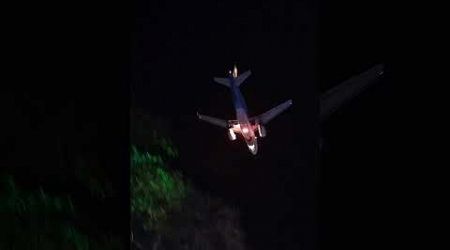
column 250, row 128
column 244, row 126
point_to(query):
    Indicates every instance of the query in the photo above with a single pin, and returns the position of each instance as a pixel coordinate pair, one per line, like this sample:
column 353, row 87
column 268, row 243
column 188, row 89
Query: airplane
column 249, row 127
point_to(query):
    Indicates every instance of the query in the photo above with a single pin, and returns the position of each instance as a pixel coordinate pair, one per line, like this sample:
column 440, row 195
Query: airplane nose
column 253, row 148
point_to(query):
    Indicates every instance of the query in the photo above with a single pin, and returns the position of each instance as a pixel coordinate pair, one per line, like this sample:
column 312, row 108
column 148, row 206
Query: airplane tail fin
column 237, row 80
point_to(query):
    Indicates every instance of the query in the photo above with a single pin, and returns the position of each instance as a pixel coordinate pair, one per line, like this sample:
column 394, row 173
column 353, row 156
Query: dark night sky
column 179, row 48
column 295, row 49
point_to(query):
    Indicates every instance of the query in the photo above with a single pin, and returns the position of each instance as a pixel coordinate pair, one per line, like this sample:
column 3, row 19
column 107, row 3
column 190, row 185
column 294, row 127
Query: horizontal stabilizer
column 223, row 81
column 213, row 120
column 269, row 115
column 237, row 81
column 241, row 78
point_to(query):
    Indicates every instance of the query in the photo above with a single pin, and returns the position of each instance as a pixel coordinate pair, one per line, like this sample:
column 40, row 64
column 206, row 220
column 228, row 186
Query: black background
column 64, row 96
column 359, row 187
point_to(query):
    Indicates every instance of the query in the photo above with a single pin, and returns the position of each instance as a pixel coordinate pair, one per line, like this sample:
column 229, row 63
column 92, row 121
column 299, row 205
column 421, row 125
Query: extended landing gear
column 231, row 134
column 261, row 131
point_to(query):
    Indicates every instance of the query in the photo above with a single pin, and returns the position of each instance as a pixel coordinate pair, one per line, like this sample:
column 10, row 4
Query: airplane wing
column 213, row 120
column 334, row 98
column 269, row 115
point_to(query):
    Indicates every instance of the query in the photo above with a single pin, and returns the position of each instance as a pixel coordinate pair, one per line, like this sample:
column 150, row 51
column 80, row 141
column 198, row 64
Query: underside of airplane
column 250, row 128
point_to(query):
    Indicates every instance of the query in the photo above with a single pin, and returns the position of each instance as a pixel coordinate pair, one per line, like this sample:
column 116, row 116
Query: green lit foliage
column 20, row 202
column 155, row 190
column 38, row 220
column 168, row 212
column 175, row 213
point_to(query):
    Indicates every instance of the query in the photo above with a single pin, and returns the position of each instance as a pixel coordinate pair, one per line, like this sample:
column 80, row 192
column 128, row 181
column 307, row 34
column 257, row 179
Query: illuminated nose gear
column 231, row 134
column 253, row 147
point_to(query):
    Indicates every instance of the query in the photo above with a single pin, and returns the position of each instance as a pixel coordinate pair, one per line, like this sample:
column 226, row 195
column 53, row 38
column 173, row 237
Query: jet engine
column 231, row 134
column 261, row 131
